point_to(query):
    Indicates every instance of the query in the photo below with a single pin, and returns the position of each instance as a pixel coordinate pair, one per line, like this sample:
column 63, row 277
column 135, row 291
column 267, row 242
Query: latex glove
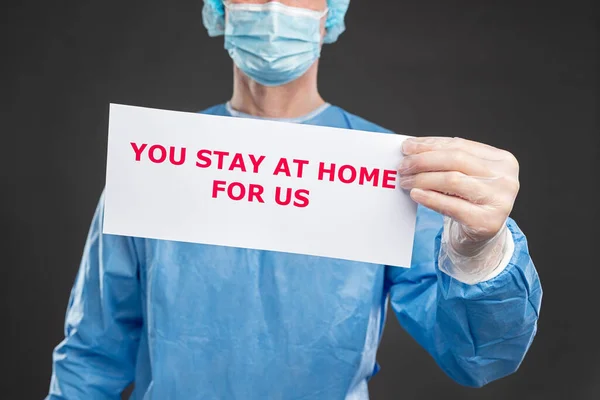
column 475, row 186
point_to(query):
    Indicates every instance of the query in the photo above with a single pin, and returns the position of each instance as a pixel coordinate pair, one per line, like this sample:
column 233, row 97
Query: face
column 316, row 5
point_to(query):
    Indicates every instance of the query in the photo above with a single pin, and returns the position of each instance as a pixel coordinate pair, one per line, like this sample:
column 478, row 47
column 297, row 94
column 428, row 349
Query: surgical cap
column 213, row 16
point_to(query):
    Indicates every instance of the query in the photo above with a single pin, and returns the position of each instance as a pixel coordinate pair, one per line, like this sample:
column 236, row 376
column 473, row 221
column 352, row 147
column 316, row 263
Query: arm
column 96, row 360
column 476, row 333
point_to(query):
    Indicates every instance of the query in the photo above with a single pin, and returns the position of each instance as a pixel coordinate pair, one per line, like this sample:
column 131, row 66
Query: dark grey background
column 509, row 73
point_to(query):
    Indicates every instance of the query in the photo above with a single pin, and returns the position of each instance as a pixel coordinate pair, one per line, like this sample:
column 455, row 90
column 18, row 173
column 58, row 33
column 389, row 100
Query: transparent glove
column 473, row 262
column 474, row 186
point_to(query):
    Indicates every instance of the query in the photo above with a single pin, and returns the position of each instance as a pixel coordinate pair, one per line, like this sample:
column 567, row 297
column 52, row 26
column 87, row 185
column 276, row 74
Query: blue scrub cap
column 213, row 16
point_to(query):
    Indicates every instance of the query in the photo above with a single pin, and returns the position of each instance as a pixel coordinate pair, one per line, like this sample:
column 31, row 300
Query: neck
column 292, row 100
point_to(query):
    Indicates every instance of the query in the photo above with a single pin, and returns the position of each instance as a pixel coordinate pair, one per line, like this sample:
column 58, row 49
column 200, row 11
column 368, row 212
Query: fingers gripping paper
column 257, row 184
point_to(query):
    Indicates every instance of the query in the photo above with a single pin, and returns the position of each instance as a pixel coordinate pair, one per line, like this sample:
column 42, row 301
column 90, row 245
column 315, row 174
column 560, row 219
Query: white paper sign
column 257, row 184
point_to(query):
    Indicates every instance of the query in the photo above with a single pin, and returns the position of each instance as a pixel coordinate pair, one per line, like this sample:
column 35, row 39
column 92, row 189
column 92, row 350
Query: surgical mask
column 272, row 43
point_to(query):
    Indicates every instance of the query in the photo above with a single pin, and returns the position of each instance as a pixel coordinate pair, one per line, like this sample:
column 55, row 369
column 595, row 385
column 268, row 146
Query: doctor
column 192, row 321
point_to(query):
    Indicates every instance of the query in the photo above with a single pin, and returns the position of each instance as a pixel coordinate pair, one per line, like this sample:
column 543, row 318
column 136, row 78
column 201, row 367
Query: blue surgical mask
column 272, row 43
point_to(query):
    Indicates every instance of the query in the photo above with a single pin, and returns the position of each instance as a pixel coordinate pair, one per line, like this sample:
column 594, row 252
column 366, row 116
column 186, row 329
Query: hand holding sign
column 474, row 184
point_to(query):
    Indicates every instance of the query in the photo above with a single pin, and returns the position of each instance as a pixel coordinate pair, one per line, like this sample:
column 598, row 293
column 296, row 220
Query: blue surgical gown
column 194, row 321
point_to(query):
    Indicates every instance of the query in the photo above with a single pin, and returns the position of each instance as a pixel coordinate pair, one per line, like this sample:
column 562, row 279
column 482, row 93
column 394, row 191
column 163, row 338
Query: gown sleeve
column 476, row 333
column 96, row 359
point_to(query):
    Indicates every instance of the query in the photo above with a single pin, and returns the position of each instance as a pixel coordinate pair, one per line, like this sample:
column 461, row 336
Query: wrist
column 473, row 262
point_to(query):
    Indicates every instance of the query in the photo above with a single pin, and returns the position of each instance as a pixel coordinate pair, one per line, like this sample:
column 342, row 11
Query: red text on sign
column 284, row 168
column 350, row 174
column 300, row 197
column 237, row 191
column 158, row 153
column 224, row 161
